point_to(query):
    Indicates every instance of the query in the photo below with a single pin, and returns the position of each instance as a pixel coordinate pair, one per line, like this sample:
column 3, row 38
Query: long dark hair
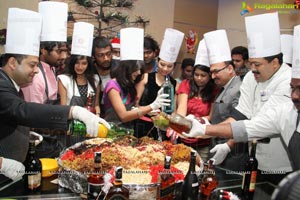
column 123, row 77
column 207, row 93
column 89, row 73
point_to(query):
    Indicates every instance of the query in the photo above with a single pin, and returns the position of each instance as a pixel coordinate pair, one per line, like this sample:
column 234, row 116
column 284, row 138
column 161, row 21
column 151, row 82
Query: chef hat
column 287, row 47
column 202, row 55
column 82, row 40
column 115, row 42
column 23, row 32
column 171, row 45
column 217, row 46
column 132, row 44
column 296, row 53
column 263, row 35
column 55, row 16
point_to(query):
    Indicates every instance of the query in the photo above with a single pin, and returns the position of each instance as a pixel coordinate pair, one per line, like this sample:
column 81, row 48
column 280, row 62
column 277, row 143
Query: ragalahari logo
column 245, row 9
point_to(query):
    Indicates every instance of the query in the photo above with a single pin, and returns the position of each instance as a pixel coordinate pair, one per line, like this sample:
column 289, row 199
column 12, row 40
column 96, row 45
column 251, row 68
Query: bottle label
column 195, row 184
column 252, row 181
column 243, row 182
column 167, row 191
column 94, row 189
column 34, row 181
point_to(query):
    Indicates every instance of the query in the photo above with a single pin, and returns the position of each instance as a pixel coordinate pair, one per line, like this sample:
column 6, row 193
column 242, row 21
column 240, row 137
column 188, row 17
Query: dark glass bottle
column 77, row 128
column 167, row 181
column 89, row 103
column 118, row 191
column 95, row 179
column 190, row 187
column 249, row 176
column 209, row 182
column 33, row 169
column 168, row 89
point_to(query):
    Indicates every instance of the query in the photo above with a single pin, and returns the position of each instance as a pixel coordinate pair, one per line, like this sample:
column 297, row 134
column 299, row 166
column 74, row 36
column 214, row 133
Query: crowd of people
column 240, row 95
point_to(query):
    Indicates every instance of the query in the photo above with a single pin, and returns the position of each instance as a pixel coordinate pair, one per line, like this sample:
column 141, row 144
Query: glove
column 173, row 135
column 221, row 151
column 161, row 100
column 197, row 129
column 12, row 168
column 91, row 121
column 203, row 120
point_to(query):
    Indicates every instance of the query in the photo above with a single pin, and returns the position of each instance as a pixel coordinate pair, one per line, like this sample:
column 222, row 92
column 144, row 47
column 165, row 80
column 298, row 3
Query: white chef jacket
column 258, row 98
column 69, row 83
column 276, row 120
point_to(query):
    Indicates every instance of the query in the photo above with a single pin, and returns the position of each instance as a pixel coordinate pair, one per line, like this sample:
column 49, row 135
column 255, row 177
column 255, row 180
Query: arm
column 62, row 92
column 120, row 109
column 140, row 87
column 97, row 100
column 182, row 104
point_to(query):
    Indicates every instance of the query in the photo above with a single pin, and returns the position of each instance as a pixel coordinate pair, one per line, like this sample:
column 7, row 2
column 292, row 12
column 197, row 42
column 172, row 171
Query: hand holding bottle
column 221, row 151
column 161, row 100
column 91, row 120
column 12, row 168
column 198, row 129
column 173, row 135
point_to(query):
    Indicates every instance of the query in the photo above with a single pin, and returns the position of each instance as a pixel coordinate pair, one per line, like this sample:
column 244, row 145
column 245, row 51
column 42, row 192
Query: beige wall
column 5, row 4
column 229, row 18
column 198, row 15
column 184, row 15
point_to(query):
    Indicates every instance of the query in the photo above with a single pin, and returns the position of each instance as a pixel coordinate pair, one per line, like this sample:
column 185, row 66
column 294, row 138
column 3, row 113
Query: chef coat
column 257, row 98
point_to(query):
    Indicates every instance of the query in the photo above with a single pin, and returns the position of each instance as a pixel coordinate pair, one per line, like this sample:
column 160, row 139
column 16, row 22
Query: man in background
column 151, row 50
column 240, row 56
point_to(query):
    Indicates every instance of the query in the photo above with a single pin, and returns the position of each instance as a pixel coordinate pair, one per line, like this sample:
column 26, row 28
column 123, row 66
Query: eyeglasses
column 217, row 70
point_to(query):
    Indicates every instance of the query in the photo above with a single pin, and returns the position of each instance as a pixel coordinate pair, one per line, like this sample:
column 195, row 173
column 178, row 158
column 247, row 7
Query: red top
column 195, row 105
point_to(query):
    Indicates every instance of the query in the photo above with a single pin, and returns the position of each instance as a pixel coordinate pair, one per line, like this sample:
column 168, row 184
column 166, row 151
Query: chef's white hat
column 132, row 44
column 55, row 16
column 296, row 53
column 82, row 39
column 202, row 55
column 263, row 35
column 171, row 45
column 287, row 47
column 23, row 32
column 217, row 46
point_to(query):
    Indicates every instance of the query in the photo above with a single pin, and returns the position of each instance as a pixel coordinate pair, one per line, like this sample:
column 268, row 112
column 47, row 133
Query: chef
column 266, row 85
column 223, row 72
column 20, row 65
column 280, row 120
column 53, row 52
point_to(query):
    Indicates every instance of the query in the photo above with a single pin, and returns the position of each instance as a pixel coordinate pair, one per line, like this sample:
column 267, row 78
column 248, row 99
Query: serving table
column 227, row 181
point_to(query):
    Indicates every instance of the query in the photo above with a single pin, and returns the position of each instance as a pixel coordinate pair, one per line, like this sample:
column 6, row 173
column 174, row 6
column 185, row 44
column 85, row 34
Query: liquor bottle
column 190, row 187
column 77, row 128
column 95, row 179
column 89, row 103
column 249, row 176
column 167, row 181
column 168, row 89
column 33, row 169
column 209, row 182
column 118, row 191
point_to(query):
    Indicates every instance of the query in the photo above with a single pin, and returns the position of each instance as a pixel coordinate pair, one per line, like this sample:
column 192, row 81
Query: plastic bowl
column 49, row 166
